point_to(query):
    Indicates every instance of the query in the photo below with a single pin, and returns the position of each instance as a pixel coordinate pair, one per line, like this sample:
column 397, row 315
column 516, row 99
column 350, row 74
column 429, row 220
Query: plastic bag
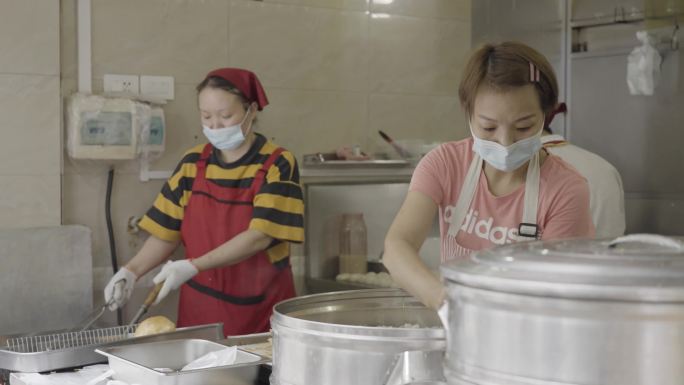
column 643, row 66
column 221, row 357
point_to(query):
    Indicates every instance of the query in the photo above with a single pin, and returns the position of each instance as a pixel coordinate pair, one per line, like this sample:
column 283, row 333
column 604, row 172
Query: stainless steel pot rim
column 285, row 314
column 361, row 333
column 346, row 294
column 574, row 291
column 590, row 269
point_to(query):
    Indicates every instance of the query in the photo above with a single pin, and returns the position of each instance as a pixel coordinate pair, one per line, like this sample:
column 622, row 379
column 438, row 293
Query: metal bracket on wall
column 674, row 40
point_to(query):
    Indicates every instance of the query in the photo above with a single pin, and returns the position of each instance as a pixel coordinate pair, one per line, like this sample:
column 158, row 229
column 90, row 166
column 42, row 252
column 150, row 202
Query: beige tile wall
column 335, row 72
column 30, row 153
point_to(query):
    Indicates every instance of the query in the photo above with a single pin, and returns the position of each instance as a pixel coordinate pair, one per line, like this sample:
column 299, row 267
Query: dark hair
column 504, row 66
column 223, row 84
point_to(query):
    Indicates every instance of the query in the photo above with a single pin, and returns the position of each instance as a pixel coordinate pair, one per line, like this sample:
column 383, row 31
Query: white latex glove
column 174, row 274
column 443, row 313
column 119, row 289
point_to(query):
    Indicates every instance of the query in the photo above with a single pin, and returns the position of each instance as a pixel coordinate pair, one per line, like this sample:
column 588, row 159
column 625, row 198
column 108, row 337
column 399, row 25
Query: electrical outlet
column 129, row 84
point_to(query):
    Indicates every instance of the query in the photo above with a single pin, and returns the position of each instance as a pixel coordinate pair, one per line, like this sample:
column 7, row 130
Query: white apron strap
column 465, row 198
column 528, row 229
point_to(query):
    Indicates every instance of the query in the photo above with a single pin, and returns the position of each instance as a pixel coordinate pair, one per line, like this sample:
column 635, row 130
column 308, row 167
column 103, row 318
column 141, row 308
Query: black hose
column 110, row 232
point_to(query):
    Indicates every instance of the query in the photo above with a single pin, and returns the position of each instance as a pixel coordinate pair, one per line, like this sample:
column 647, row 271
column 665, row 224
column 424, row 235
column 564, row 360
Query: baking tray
column 50, row 360
column 149, row 363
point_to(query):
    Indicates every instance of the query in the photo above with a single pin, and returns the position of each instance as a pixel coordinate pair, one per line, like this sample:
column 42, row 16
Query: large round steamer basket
column 576, row 312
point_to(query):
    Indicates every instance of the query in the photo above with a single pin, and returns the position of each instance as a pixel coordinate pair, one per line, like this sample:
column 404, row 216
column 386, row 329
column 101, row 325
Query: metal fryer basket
column 58, row 341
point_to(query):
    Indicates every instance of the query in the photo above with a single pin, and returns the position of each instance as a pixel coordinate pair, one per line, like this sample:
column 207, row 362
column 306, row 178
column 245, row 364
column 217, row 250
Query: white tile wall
column 29, row 201
column 29, row 37
column 30, row 155
column 30, row 118
column 417, row 56
column 184, row 39
column 300, row 47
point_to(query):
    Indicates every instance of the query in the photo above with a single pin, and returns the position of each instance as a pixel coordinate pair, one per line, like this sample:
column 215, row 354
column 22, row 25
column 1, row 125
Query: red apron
column 241, row 295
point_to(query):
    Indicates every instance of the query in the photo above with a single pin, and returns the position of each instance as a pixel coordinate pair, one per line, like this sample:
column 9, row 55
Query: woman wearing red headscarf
column 236, row 204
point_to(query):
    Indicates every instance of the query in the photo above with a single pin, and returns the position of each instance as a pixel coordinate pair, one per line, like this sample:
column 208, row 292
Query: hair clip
column 534, row 73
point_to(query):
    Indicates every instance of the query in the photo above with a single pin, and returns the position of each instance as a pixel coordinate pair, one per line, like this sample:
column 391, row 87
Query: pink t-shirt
column 563, row 210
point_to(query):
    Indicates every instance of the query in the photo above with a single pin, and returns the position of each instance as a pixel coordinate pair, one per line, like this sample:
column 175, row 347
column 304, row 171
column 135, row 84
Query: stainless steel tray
column 146, row 364
column 321, row 161
column 49, row 360
column 246, row 339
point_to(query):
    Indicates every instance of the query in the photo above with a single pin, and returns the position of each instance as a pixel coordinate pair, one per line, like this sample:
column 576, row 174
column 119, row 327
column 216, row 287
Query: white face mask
column 507, row 158
column 228, row 138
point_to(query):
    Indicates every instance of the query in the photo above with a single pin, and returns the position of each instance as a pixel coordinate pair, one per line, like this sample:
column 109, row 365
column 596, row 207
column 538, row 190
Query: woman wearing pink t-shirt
column 497, row 187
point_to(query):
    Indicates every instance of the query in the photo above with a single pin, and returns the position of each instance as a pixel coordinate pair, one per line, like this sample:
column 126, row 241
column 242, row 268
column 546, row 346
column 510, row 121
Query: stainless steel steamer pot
column 354, row 337
column 589, row 312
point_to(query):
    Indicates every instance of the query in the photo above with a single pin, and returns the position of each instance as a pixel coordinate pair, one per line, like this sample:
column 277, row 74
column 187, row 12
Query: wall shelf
column 663, row 48
column 666, row 35
column 623, row 18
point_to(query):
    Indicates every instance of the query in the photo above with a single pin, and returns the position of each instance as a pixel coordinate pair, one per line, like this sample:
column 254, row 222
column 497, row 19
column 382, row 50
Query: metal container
column 589, row 312
column 353, row 337
column 159, row 363
column 81, row 350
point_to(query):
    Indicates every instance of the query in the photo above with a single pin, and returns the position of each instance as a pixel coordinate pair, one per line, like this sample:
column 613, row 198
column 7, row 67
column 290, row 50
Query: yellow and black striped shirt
column 278, row 206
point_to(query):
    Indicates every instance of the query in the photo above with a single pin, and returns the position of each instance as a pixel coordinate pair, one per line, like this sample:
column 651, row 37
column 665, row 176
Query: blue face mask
column 507, row 158
column 228, row 138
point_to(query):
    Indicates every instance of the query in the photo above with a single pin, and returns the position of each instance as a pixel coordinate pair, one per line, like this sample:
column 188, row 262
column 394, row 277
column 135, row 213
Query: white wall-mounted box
column 157, row 87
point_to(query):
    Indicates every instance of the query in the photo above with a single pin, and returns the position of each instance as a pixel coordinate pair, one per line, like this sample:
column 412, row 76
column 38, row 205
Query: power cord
column 110, row 232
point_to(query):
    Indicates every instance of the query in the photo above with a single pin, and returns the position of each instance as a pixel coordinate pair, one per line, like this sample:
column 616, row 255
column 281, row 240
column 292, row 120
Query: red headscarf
column 245, row 81
column 561, row 109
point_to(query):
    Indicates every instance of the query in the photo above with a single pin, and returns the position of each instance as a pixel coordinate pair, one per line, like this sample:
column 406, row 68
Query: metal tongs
column 98, row 312
column 94, row 316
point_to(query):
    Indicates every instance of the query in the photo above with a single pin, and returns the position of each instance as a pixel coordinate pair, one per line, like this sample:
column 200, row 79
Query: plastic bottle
column 353, row 244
